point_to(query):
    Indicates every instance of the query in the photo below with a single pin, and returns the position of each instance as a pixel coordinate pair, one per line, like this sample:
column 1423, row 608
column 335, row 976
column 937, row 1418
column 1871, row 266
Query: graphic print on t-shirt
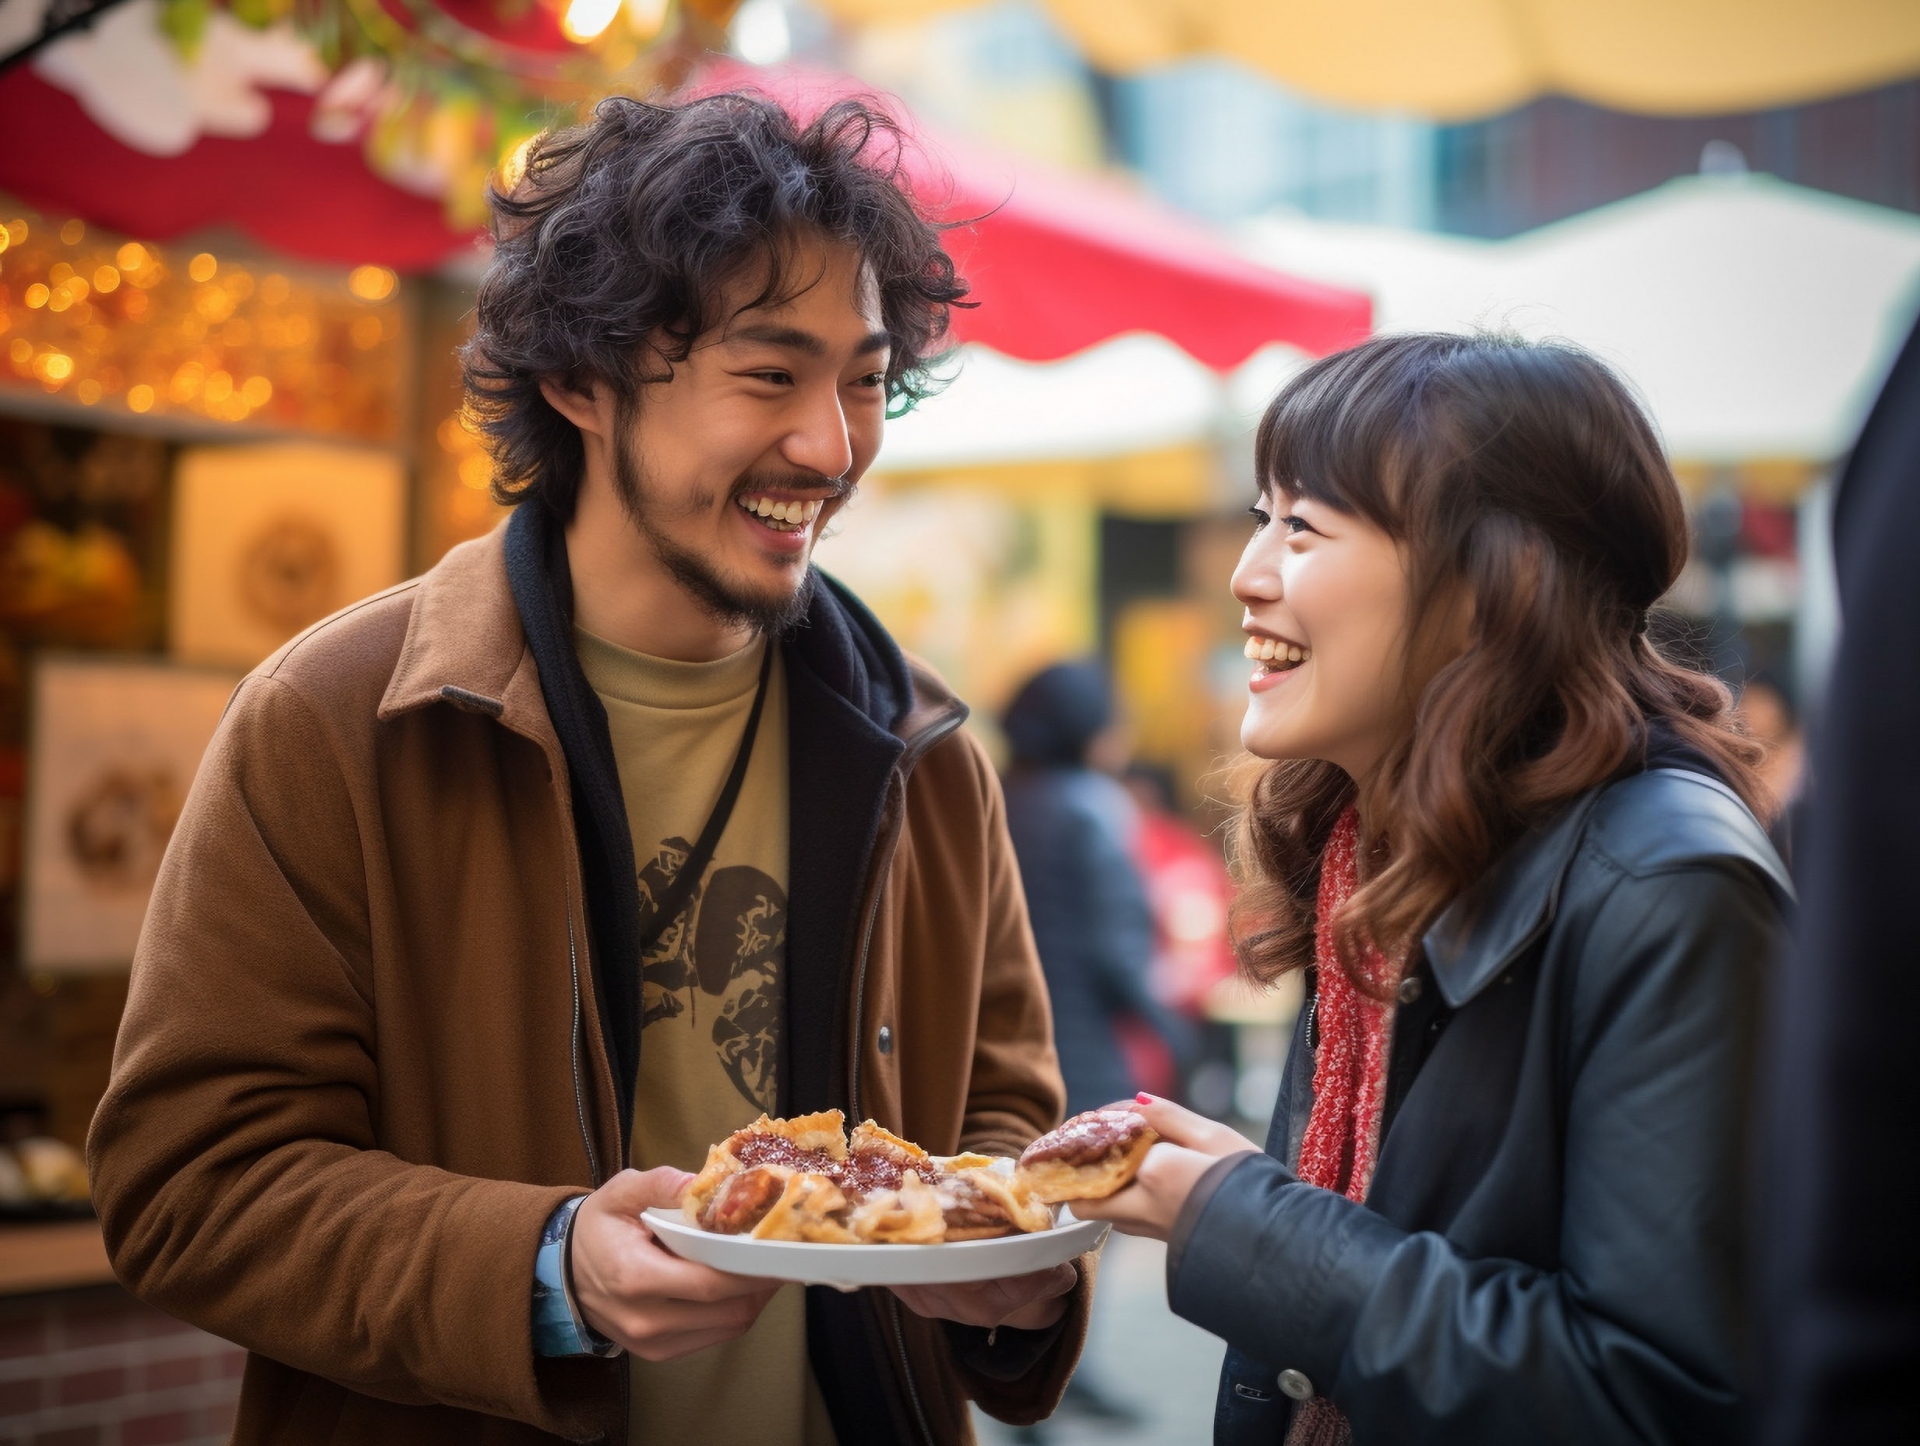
column 720, row 959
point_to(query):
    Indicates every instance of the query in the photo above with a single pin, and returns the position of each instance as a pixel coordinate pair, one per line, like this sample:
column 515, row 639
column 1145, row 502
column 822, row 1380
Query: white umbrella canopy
column 1757, row 318
column 1136, row 393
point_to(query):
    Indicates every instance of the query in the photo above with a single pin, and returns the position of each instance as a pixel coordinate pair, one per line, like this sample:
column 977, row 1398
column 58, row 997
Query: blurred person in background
column 1503, row 1194
column 1190, row 896
column 1766, row 711
column 1841, row 1179
column 1074, row 825
column 1188, row 891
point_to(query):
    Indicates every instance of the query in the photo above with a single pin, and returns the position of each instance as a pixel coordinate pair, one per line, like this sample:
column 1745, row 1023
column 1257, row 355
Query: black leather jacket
column 1553, row 1245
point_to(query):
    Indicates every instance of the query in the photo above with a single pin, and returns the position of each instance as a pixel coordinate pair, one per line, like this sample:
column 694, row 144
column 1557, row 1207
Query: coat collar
column 465, row 645
column 1481, row 932
column 1650, row 820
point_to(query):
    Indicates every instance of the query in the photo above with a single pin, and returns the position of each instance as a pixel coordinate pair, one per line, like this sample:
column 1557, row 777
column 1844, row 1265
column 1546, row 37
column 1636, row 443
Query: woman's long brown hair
column 1525, row 477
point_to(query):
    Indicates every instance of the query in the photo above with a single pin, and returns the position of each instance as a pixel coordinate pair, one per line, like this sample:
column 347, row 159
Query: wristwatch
column 558, row 1328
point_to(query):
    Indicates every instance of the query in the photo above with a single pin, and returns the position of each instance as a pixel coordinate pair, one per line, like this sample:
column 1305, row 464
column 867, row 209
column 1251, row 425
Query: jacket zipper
column 579, row 1099
column 913, row 1394
column 857, row 1041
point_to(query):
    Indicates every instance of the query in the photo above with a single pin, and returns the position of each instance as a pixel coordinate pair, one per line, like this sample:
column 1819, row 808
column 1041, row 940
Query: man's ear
column 588, row 406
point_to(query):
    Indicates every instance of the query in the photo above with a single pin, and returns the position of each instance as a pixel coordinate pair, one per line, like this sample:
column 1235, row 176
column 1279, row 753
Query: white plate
column 849, row 1267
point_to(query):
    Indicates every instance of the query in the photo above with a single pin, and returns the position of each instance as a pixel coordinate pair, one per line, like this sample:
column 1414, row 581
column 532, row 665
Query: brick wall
column 95, row 1367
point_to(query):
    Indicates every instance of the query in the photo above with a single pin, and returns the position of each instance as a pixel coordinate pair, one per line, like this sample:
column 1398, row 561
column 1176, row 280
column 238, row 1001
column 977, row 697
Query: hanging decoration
column 438, row 94
column 97, row 318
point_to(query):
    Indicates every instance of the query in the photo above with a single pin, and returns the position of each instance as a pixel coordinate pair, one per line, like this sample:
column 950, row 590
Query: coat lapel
column 1482, row 932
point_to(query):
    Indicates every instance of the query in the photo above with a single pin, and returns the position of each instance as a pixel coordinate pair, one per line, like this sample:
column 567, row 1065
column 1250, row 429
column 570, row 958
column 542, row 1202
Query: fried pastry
column 1089, row 1157
column 816, row 1143
column 743, row 1199
column 910, row 1215
column 804, row 1179
column 811, row 1207
column 982, row 1201
column 878, row 1159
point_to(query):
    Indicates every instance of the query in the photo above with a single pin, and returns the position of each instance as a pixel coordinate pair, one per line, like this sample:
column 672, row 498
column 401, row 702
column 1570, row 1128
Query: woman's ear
column 588, row 406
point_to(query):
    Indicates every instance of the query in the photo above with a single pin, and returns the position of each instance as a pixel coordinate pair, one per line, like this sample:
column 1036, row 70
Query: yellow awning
column 1455, row 59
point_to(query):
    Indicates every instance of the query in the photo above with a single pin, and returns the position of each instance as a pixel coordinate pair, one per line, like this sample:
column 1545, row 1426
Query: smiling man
column 504, row 893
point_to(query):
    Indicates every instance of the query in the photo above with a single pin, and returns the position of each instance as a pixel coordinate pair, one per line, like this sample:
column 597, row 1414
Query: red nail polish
column 1143, row 1098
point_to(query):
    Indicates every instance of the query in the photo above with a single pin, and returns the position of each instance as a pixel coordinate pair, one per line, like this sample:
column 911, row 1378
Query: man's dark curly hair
column 611, row 255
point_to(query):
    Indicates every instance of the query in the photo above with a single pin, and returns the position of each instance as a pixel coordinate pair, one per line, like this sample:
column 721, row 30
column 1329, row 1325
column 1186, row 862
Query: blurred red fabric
column 284, row 189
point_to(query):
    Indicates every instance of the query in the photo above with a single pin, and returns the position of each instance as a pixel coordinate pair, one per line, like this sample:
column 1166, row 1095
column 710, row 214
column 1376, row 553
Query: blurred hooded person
column 1072, row 823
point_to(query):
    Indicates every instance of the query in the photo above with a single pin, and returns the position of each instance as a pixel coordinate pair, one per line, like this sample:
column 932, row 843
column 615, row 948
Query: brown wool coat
column 353, row 1078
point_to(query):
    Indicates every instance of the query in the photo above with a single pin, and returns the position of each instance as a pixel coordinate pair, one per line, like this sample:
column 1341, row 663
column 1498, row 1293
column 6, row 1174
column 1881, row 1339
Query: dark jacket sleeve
column 1635, row 1338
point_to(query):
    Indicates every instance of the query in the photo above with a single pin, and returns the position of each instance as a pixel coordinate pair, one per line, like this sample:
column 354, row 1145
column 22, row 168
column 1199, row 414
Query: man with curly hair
column 619, row 827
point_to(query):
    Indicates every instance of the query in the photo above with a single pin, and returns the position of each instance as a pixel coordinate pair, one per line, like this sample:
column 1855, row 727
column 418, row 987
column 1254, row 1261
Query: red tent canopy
column 1065, row 262
column 1057, row 262
column 285, row 189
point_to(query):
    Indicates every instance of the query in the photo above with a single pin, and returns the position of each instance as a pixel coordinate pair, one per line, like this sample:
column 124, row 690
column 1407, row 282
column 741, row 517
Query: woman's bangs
column 1329, row 435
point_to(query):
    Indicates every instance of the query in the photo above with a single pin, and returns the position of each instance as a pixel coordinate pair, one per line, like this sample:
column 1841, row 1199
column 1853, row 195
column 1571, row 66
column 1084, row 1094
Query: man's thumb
column 637, row 1190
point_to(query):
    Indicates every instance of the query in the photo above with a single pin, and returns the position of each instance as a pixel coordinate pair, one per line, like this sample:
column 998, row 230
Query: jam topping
column 768, row 1149
column 1086, row 1139
column 858, row 1175
column 865, row 1171
column 743, row 1201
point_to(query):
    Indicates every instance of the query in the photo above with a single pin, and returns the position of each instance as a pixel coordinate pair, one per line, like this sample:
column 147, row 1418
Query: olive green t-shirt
column 713, row 1000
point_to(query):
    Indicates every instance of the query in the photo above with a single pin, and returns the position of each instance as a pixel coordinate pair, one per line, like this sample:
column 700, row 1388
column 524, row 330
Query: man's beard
column 721, row 600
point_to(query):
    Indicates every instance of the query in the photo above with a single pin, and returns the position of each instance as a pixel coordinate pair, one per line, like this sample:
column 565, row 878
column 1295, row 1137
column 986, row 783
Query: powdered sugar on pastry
column 1089, row 1157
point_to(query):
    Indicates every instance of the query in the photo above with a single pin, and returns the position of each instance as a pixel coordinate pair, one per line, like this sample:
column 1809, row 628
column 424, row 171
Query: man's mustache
column 839, row 487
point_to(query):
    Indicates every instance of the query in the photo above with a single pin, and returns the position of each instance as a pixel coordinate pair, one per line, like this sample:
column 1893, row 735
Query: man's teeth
column 1273, row 651
column 793, row 514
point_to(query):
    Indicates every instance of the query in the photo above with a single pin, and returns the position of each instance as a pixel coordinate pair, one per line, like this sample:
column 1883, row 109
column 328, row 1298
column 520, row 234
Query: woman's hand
column 1186, row 1150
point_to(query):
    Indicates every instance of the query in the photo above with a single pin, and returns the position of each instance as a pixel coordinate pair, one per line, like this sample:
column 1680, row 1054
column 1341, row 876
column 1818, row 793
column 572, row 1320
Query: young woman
column 1514, row 848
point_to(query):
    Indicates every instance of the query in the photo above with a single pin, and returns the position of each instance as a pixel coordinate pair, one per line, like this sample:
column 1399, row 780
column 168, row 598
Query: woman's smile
column 1279, row 658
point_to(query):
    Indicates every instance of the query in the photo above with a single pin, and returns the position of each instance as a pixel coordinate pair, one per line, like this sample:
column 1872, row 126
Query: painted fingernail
column 1143, row 1098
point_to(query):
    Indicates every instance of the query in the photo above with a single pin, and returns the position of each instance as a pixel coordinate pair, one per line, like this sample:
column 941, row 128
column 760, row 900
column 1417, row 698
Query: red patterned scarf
column 1349, row 1076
